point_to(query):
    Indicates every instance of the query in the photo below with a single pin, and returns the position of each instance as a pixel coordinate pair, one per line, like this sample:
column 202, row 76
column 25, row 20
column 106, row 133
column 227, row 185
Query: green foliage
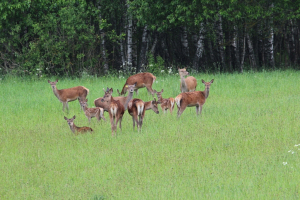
column 155, row 65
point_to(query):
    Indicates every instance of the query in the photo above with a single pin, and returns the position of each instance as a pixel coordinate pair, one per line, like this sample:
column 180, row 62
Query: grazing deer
column 165, row 104
column 75, row 129
column 116, row 110
column 188, row 84
column 69, row 94
column 145, row 79
column 190, row 99
column 137, row 108
column 92, row 112
column 123, row 100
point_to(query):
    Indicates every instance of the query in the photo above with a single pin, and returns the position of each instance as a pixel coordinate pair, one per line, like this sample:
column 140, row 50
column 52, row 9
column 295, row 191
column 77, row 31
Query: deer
column 92, row 112
column 137, row 108
column 142, row 80
column 190, row 99
column 188, row 84
column 69, row 94
column 116, row 110
column 75, row 129
column 165, row 104
column 123, row 100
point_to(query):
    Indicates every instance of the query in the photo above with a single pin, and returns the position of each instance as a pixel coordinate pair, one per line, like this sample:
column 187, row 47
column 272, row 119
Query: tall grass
column 242, row 147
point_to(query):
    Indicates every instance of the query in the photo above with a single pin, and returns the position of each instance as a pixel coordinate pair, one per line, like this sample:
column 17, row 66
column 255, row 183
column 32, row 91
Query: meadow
column 243, row 146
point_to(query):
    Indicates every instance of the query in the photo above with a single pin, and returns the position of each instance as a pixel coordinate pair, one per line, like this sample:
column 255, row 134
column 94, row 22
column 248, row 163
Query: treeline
column 68, row 37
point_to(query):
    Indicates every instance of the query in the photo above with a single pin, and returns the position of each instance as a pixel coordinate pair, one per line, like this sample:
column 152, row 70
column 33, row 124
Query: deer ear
column 49, row 81
column 162, row 90
column 74, row 117
column 86, row 100
column 65, row 118
column 203, row 81
column 154, row 100
column 212, row 80
column 56, row 80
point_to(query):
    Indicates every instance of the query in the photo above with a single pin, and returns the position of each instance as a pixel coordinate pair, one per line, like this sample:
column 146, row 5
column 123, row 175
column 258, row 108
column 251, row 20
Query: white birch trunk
column 129, row 42
column 200, row 47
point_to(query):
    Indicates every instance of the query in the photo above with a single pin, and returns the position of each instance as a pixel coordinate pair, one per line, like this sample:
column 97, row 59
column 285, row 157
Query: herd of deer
column 116, row 106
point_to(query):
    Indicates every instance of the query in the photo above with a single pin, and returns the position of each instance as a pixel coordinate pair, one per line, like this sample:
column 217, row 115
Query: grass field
column 244, row 146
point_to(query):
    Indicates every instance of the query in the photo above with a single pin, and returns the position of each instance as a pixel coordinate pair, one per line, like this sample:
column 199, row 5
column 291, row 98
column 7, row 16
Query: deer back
column 72, row 93
column 192, row 98
column 141, row 79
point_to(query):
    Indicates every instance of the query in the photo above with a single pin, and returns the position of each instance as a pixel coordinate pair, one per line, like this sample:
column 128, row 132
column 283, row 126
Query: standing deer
column 190, row 99
column 123, row 100
column 75, row 129
column 92, row 112
column 116, row 110
column 145, row 79
column 188, row 84
column 137, row 108
column 69, row 94
column 165, row 104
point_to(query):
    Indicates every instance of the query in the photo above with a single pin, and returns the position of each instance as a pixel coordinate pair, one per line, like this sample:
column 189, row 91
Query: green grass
column 235, row 150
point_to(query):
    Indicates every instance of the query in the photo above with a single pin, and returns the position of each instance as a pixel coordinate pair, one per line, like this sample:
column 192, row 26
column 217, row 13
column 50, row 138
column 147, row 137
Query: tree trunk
column 236, row 51
column 251, row 52
column 220, row 43
column 144, row 45
column 103, row 48
column 185, row 46
column 129, row 42
column 200, row 47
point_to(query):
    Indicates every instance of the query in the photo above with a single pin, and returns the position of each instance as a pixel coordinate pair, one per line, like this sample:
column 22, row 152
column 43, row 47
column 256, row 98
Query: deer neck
column 73, row 128
column 56, row 92
column 147, row 105
column 206, row 92
column 128, row 98
column 183, row 84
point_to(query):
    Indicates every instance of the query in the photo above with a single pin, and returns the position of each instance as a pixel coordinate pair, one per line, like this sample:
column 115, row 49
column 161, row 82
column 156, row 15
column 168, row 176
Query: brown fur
column 116, row 111
column 69, row 94
column 75, row 129
column 190, row 99
column 165, row 104
column 145, row 79
column 92, row 112
column 188, row 84
column 138, row 117
column 123, row 100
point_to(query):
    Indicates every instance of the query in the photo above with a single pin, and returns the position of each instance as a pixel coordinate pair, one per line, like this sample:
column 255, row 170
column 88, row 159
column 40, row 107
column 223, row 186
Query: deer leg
column 180, row 110
column 120, row 123
column 141, row 121
column 200, row 109
column 149, row 88
column 133, row 121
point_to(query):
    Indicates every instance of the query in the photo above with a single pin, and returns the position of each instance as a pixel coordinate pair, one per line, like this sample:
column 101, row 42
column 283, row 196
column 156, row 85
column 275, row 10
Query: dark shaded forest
column 102, row 37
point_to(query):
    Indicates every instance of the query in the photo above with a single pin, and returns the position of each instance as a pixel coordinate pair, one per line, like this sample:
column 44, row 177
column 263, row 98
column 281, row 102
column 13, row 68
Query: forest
column 104, row 37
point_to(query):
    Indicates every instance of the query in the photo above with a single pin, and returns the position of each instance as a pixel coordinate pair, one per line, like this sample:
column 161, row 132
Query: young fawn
column 92, row 112
column 190, row 99
column 75, row 129
column 165, row 104
column 137, row 108
column 116, row 111
column 69, row 94
column 188, row 84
